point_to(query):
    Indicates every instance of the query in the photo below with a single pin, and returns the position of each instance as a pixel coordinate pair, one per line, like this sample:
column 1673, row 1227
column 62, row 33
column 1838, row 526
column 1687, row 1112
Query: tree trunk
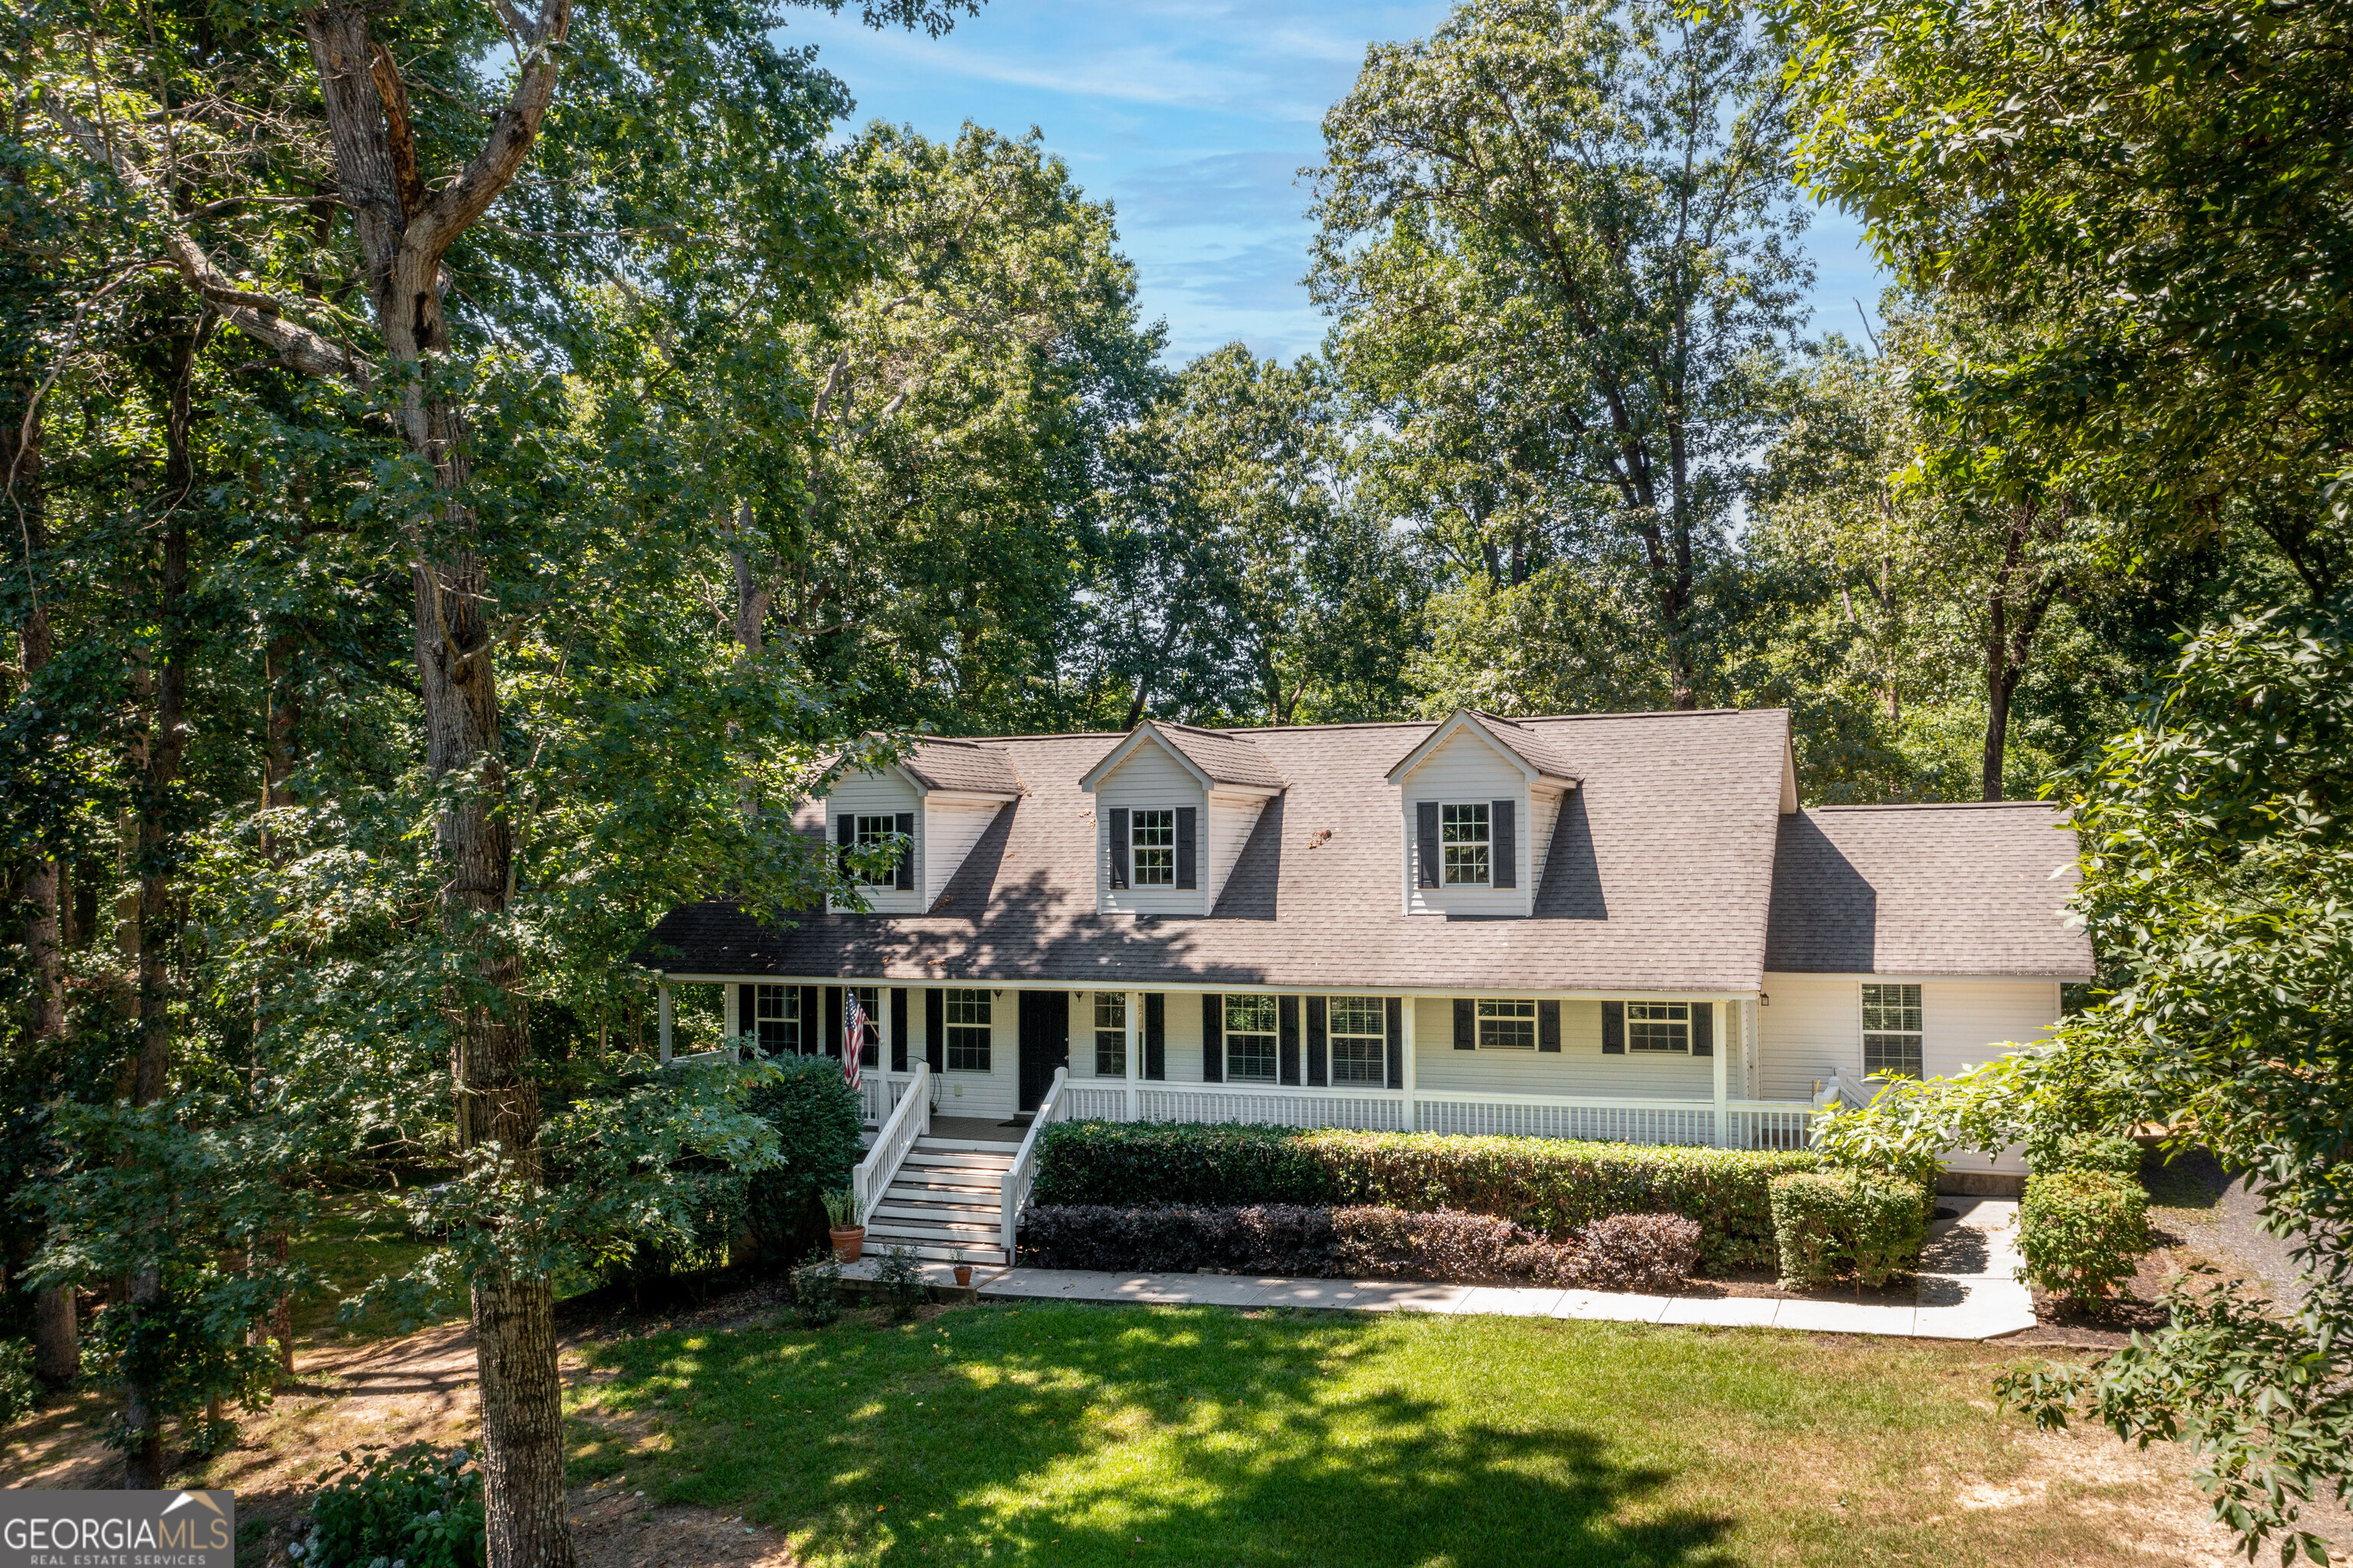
column 57, row 1351
column 404, row 230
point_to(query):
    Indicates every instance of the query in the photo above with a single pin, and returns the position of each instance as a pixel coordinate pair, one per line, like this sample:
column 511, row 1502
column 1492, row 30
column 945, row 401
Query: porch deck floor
column 1969, row 1289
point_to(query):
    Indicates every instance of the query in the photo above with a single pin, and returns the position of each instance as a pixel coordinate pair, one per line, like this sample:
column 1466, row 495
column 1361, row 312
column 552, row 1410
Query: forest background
column 470, row 471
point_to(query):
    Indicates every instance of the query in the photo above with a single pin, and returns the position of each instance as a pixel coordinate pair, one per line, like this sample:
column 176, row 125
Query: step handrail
column 1024, row 1169
column 910, row 1119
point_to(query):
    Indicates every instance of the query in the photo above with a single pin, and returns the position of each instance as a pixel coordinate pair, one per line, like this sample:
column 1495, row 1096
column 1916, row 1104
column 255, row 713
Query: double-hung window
column 1658, row 1026
column 1110, row 1034
column 1359, row 1037
column 1250, row 1038
column 1462, row 832
column 1891, row 1030
column 776, row 1021
column 1507, row 1024
column 967, row 1023
column 870, row 833
column 1152, row 849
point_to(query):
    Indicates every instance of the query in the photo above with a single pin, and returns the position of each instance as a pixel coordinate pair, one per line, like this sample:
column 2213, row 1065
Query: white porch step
column 964, row 1150
column 945, row 1198
column 896, row 1206
column 882, row 1233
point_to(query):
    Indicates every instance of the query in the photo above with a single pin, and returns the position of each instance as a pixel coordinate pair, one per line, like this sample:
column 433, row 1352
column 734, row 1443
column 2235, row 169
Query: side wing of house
column 1914, row 941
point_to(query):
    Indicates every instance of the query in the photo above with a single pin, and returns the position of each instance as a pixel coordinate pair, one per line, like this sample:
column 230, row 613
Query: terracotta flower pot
column 964, row 1274
column 848, row 1243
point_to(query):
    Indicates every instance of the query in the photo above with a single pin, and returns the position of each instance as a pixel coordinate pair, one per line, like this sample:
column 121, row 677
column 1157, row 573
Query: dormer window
column 1153, row 837
column 1464, row 829
column 873, row 833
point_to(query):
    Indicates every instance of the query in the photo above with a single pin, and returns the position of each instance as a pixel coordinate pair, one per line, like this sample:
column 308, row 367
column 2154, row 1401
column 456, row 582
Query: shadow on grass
column 1073, row 1434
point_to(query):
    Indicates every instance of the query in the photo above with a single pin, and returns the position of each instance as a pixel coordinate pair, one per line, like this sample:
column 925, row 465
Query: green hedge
column 1547, row 1184
column 2083, row 1232
column 1827, row 1221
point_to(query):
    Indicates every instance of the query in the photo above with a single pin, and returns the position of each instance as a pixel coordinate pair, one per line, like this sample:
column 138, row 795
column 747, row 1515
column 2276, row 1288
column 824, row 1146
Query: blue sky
column 1192, row 116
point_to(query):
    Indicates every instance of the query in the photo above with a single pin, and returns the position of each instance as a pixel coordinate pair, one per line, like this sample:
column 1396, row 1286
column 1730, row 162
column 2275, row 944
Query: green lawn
column 1077, row 1434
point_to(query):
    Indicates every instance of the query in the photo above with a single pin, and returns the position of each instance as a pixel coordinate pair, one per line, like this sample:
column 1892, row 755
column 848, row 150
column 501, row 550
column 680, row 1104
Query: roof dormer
column 1174, row 806
column 940, row 796
column 1479, row 799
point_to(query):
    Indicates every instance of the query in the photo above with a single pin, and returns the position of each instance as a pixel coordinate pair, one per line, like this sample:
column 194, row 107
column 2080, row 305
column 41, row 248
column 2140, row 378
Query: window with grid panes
column 776, row 1018
column 1891, row 1030
column 1250, row 1038
column 1507, row 1024
column 967, row 1017
column 1658, row 1026
column 1152, row 849
column 874, row 833
column 1357, row 1030
column 1110, row 1034
column 1462, row 839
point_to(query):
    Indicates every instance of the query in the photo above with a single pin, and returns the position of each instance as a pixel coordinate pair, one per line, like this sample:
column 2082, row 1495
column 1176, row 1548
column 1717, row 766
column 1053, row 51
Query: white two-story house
column 1621, row 927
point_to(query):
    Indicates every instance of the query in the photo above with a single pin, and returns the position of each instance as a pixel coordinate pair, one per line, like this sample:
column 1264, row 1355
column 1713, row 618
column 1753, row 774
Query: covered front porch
column 1620, row 1067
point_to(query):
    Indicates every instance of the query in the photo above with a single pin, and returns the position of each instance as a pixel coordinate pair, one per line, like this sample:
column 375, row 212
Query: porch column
column 1728, row 1042
column 1134, row 1013
column 1412, row 1120
column 662, row 992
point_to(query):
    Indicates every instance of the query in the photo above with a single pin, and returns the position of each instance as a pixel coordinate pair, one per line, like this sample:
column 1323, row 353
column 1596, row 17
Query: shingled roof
column 1927, row 890
column 1661, row 877
column 967, row 767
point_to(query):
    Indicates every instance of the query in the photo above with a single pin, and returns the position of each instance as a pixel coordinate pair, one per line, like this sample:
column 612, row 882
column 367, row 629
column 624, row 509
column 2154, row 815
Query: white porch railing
column 907, row 1122
column 1741, row 1124
column 1023, row 1170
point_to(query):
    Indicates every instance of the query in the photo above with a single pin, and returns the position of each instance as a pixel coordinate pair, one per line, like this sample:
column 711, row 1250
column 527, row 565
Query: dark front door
column 1045, row 1041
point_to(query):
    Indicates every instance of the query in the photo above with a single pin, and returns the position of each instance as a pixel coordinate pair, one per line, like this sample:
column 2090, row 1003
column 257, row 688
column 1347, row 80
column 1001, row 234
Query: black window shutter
column 1547, row 1026
column 747, row 1016
column 1286, row 1049
column 1155, row 1034
column 1424, row 870
column 1503, row 844
column 898, row 1029
column 1184, row 815
column 829, row 1022
column 935, row 1029
column 845, row 834
column 1613, row 1029
column 1119, row 846
column 1396, row 1041
column 907, row 851
column 1466, row 1024
column 1213, row 1038
column 1703, row 1014
column 1318, row 1075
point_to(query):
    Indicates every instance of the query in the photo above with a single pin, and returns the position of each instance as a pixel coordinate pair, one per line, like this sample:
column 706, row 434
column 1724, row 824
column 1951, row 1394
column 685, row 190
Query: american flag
column 853, row 1035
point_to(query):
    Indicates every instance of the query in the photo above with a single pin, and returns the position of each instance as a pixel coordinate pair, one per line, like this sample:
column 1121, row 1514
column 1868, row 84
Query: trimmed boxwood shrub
column 1553, row 1185
column 1624, row 1252
column 2081, row 1232
column 1827, row 1221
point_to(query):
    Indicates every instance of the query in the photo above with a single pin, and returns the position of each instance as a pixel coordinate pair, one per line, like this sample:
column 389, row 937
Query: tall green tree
column 1557, row 242
column 2158, row 188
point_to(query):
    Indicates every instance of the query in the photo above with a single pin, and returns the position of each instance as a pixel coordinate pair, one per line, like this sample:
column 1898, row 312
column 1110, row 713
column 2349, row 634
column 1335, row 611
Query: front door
column 1045, row 1041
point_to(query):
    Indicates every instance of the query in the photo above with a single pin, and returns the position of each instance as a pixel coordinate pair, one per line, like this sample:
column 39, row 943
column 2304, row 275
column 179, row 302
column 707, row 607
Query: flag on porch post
column 853, row 1034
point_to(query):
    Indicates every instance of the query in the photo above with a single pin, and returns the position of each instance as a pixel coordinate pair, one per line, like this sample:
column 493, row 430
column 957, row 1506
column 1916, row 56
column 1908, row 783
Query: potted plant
column 841, row 1222
column 963, row 1268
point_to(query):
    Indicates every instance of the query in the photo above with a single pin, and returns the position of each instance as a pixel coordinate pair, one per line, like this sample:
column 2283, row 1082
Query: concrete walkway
column 1969, row 1289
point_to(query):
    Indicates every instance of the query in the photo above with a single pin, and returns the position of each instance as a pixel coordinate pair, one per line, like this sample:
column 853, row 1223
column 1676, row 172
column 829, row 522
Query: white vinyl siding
column 1579, row 1068
column 1233, row 818
column 949, row 834
column 1814, row 1024
column 1465, row 770
column 1149, row 779
column 1543, row 806
column 879, row 795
